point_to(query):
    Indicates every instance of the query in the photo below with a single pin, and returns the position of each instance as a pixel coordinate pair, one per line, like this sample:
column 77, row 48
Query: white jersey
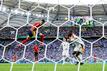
column 65, row 46
column 78, row 44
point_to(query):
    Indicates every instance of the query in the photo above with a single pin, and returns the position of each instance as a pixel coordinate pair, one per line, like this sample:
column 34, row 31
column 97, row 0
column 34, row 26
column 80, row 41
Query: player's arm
column 83, row 48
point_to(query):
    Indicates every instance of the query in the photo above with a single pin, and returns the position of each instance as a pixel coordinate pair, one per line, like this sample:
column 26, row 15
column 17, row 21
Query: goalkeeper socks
column 26, row 40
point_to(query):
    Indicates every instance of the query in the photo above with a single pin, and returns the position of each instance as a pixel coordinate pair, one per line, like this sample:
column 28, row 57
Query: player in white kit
column 65, row 45
column 78, row 45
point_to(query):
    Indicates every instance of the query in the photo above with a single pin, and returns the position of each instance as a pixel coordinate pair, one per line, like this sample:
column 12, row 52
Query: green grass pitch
column 50, row 67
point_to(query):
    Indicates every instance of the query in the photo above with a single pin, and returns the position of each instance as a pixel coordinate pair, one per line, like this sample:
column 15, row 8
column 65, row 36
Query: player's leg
column 30, row 34
column 26, row 40
column 75, row 53
column 79, row 57
column 36, row 57
column 64, row 57
column 80, row 52
column 75, row 56
column 42, row 36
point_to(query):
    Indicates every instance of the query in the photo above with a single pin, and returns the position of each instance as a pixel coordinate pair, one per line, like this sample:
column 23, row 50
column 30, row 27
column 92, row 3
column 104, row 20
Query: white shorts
column 65, row 53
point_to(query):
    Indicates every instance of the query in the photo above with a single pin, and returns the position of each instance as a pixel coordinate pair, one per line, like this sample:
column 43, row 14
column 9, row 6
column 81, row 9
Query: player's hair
column 43, row 21
column 70, row 33
column 65, row 38
column 35, row 29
